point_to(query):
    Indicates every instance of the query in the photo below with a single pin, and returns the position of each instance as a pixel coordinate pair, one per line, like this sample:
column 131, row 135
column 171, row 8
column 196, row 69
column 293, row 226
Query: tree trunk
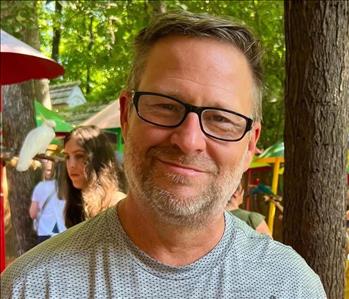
column 16, row 97
column 19, row 119
column 42, row 92
column 31, row 37
column 56, row 31
column 316, row 128
column 157, row 6
column 89, row 50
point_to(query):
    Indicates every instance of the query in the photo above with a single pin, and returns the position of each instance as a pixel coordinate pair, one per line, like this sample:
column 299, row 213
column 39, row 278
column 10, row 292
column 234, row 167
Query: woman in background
column 47, row 207
column 90, row 182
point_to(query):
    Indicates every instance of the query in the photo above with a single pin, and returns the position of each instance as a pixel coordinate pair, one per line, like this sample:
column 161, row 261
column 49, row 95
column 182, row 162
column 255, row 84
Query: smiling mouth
column 184, row 167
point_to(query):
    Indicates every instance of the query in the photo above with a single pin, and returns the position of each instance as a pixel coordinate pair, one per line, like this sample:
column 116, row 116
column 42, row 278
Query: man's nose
column 189, row 136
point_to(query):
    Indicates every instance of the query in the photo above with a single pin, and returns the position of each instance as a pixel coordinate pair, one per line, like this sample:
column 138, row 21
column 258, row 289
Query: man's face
column 182, row 174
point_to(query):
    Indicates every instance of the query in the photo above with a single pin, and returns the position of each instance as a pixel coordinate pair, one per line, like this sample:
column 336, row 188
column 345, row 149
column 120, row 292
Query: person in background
column 253, row 219
column 90, row 182
column 190, row 117
column 46, row 208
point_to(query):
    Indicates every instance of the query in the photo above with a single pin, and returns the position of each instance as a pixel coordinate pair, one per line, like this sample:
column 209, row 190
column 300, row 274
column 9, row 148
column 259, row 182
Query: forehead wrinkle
column 181, row 94
column 198, row 83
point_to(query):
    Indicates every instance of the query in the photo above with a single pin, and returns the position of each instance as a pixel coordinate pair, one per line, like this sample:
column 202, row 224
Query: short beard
column 191, row 212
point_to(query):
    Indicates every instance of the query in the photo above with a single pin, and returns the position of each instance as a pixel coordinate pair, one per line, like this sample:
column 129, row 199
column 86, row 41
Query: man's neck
column 166, row 243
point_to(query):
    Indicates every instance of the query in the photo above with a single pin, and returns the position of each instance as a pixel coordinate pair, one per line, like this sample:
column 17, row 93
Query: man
column 253, row 219
column 190, row 119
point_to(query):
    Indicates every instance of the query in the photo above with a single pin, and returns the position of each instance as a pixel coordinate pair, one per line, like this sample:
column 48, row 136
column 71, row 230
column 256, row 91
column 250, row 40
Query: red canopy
column 20, row 62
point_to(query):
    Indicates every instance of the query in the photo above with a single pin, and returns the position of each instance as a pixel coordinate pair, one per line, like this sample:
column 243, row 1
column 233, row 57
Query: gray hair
column 199, row 25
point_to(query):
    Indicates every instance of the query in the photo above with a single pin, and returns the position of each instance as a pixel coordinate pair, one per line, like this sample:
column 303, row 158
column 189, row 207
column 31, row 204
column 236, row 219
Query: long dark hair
column 102, row 175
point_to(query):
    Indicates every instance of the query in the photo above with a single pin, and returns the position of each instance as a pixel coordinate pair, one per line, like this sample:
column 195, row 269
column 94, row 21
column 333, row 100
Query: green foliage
column 95, row 39
column 97, row 35
column 265, row 18
column 16, row 16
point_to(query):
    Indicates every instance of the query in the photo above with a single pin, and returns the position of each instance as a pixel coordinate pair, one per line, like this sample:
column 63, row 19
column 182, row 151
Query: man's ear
column 252, row 144
column 124, row 99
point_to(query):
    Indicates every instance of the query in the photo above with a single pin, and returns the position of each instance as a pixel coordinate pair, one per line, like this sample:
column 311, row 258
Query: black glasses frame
column 190, row 108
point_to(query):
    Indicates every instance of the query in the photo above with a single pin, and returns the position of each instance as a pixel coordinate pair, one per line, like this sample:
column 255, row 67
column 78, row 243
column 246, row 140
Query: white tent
column 107, row 118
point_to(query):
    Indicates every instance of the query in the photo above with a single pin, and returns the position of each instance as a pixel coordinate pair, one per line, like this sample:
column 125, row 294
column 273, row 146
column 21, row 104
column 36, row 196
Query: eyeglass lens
column 167, row 112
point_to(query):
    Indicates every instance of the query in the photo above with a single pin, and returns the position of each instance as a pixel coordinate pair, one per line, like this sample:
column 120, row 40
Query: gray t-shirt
column 96, row 259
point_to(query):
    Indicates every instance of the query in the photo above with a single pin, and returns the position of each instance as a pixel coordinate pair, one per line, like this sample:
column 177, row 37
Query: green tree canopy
column 96, row 37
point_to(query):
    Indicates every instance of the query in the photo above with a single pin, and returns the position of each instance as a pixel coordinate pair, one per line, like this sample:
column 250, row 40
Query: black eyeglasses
column 169, row 112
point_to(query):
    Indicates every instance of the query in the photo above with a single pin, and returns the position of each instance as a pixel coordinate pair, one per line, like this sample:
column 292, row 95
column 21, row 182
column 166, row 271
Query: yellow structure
column 273, row 155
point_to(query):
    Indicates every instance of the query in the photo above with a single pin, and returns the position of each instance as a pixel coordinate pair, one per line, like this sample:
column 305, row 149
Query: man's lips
column 182, row 168
column 173, row 157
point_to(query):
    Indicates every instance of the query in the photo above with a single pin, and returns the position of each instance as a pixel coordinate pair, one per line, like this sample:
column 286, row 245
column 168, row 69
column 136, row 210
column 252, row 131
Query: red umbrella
column 19, row 62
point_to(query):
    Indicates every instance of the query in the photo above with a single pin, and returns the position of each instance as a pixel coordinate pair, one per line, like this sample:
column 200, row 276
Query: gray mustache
column 175, row 155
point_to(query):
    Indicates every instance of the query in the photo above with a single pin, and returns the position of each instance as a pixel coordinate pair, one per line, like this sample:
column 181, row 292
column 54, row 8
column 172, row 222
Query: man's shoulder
column 263, row 259
column 253, row 219
column 239, row 212
column 260, row 248
column 72, row 247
